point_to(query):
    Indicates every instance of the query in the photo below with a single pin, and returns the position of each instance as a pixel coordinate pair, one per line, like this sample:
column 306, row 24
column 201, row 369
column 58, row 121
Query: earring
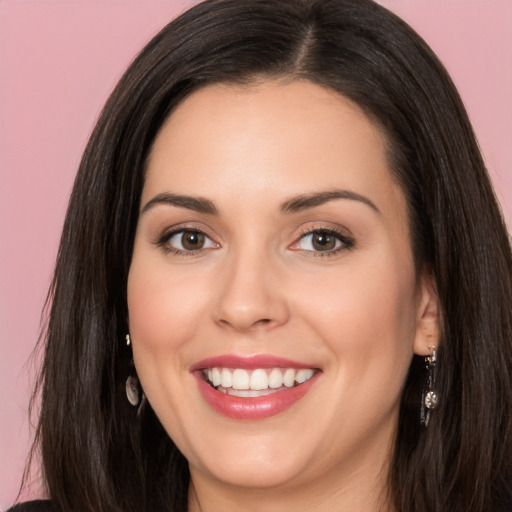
column 134, row 393
column 133, row 390
column 430, row 398
column 132, row 383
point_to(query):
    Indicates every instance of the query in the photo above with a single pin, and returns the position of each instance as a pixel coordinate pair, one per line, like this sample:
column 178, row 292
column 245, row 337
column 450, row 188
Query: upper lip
column 248, row 362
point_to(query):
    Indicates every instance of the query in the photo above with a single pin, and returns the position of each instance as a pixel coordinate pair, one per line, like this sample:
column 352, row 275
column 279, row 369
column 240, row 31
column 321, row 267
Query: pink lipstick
column 252, row 388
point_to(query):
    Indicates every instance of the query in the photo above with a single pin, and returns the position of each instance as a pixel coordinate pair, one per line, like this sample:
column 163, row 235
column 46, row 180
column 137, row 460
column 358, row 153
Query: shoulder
column 34, row 506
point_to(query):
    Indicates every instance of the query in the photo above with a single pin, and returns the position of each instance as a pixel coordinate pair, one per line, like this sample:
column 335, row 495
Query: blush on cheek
column 372, row 309
column 160, row 315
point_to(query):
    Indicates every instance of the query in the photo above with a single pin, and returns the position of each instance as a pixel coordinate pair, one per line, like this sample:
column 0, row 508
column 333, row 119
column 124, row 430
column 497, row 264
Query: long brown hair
column 98, row 455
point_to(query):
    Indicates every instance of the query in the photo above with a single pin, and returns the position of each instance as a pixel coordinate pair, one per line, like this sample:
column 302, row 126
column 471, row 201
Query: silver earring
column 133, row 390
column 132, row 383
column 430, row 398
column 134, row 393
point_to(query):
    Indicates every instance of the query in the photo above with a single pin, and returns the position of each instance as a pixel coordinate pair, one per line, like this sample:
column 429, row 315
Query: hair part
column 97, row 454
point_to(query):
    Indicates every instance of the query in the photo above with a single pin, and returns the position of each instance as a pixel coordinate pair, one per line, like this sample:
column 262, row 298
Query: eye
column 323, row 241
column 187, row 240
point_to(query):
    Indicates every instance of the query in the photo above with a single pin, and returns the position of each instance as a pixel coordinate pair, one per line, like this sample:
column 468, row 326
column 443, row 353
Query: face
column 274, row 306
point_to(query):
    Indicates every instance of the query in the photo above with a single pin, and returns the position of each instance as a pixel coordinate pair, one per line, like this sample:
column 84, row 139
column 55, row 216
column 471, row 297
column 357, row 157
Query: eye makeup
column 185, row 241
column 323, row 242
column 189, row 240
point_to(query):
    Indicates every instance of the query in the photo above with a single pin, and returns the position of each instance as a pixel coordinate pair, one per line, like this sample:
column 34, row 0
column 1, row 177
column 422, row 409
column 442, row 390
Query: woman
column 284, row 280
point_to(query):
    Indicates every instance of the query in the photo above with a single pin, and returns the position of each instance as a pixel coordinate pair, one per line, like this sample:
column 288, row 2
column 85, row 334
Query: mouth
column 258, row 382
column 253, row 388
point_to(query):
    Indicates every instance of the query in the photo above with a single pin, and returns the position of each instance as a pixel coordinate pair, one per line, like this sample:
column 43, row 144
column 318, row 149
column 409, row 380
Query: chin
column 262, row 459
column 260, row 474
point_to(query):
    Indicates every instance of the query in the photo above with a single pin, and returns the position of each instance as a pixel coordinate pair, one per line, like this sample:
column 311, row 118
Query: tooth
column 258, row 380
column 240, row 379
column 275, row 378
column 289, row 377
column 226, row 378
column 216, row 377
column 251, row 393
column 303, row 375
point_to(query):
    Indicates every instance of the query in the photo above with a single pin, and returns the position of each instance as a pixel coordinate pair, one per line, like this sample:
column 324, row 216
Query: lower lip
column 253, row 408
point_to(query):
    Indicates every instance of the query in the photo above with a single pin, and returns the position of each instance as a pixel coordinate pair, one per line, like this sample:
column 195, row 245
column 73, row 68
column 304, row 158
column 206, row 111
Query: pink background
column 58, row 62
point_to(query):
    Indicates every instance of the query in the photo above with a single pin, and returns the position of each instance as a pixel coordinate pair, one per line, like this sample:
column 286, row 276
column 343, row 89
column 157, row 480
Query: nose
column 250, row 295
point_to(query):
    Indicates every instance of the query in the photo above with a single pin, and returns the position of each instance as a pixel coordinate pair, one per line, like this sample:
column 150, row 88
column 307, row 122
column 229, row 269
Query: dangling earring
column 430, row 398
column 132, row 382
column 134, row 392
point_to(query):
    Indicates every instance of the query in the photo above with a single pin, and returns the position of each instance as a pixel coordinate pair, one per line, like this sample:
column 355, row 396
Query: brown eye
column 192, row 240
column 187, row 240
column 322, row 241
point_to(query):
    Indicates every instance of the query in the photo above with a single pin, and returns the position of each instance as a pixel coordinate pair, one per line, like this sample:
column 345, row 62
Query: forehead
column 271, row 139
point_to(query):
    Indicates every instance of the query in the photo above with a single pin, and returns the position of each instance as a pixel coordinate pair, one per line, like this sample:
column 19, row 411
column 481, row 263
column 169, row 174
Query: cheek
column 367, row 316
column 162, row 313
column 161, row 318
column 162, row 307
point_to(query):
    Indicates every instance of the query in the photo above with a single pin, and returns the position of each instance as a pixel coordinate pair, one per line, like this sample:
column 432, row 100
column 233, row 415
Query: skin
column 259, row 287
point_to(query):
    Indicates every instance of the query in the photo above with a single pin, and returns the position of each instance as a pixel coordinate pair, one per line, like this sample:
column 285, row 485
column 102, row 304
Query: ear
column 428, row 317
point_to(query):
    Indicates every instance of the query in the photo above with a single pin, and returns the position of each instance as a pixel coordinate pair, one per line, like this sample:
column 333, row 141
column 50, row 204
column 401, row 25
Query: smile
column 253, row 388
column 258, row 382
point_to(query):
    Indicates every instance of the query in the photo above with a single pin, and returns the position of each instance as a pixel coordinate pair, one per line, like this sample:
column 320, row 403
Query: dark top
column 34, row 506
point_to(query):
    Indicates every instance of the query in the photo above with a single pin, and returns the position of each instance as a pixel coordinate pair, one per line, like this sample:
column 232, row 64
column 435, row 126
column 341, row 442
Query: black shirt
column 34, row 506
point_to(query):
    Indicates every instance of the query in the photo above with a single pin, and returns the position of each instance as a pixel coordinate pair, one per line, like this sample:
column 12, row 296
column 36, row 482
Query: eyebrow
column 293, row 205
column 198, row 204
column 304, row 202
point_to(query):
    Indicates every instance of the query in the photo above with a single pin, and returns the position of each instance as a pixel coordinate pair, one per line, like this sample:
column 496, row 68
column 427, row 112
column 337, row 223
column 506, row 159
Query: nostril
column 249, row 325
column 262, row 321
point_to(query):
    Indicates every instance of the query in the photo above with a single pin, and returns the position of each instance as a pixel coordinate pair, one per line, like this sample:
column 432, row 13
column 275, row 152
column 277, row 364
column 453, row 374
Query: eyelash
column 346, row 242
column 167, row 236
